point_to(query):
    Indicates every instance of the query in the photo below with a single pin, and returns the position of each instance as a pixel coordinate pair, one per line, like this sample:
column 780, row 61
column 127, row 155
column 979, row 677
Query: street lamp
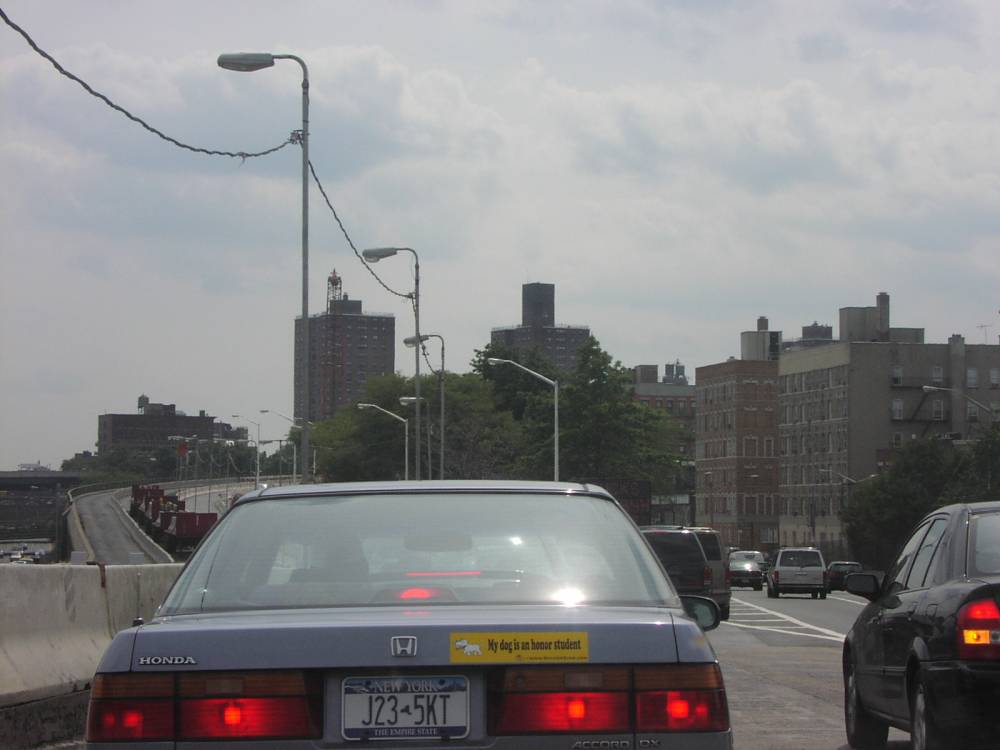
column 248, row 62
column 406, row 435
column 374, row 255
column 412, row 341
column 295, row 423
column 412, row 401
column 963, row 394
column 256, row 448
column 555, row 400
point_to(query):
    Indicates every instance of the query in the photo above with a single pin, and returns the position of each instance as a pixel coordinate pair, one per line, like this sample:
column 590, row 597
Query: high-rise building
column 736, row 460
column 538, row 331
column 845, row 408
column 347, row 347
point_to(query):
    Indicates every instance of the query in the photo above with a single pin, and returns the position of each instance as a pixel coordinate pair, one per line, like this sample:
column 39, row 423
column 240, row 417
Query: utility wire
column 350, row 241
column 235, row 154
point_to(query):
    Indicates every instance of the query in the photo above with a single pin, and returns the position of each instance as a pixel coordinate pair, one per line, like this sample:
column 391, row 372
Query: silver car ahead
column 458, row 614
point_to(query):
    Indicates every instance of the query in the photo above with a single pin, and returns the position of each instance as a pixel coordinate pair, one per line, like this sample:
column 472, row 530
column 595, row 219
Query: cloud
column 823, row 47
column 955, row 18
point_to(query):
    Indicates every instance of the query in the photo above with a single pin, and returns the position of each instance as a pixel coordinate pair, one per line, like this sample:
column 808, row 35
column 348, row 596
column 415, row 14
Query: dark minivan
column 688, row 555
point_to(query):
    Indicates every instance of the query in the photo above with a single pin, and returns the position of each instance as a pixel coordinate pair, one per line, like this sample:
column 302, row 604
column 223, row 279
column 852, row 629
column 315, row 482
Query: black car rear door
column 901, row 624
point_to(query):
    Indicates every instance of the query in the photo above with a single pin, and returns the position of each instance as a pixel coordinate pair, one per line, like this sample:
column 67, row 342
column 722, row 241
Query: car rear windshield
column 427, row 549
column 985, row 558
column 802, row 558
column 741, row 563
column 676, row 547
column 710, row 543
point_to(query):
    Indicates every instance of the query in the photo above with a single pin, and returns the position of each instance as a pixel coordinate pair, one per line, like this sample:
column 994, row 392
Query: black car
column 924, row 655
column 837, row 572
column 744, row 572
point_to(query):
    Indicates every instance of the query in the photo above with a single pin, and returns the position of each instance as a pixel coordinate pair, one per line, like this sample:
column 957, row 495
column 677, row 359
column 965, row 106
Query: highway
column 781, row 661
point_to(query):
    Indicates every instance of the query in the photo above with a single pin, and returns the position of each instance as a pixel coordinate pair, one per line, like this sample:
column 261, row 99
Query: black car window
column 922, row 561
column 897, row 575
column 678, row 548
column 710, row 543
column 985, row 544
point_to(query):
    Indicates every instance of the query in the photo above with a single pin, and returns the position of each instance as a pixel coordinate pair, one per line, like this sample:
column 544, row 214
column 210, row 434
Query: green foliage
column 925, row 475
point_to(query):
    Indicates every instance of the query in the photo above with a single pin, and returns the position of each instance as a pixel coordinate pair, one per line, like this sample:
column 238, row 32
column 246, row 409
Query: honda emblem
column 403, row 645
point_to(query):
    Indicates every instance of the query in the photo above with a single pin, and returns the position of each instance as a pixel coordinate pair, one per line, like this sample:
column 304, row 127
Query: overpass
column 57, row 620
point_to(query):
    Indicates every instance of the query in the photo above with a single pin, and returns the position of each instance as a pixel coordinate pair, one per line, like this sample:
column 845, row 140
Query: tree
column 881, row 513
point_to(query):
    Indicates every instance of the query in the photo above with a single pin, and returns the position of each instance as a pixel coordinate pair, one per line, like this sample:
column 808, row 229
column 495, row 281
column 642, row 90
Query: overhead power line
column 129, row 115
column 350, row 242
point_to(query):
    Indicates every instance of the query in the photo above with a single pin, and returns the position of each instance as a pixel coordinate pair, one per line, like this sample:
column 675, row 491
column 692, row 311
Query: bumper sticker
column 518, row 647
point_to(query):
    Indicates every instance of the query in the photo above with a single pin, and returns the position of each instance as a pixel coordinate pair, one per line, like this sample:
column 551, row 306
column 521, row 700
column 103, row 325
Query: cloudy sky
column 675, row 168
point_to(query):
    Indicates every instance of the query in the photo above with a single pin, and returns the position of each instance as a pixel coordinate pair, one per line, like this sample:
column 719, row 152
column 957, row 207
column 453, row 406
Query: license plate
column 413, row 707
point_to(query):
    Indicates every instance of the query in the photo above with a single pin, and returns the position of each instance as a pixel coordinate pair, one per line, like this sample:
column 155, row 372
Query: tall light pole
column 374, row 255
column 248, row 62
column 256, row 448
column 411, row 401
column 412, row 341
column 406, row 434
column 295, row 423
column 555, row 386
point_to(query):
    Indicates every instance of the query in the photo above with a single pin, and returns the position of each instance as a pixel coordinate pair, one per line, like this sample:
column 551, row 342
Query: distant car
column 797, row 570
column 411, row 614
column 924, row 655
column 683, row 554
column 744, row 572
column 837, row 571
column 751, row 554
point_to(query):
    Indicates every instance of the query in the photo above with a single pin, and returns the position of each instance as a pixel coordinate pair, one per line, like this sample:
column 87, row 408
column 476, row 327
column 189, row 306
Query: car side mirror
column 867, row 585
column 703, row 611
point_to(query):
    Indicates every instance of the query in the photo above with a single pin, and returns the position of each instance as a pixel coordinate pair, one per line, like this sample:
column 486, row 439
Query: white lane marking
column 786, row 631
column 832, row 634
column 849, row 601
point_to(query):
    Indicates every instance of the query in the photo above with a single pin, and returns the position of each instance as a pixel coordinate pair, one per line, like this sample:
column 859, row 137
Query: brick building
column 154, row 424
column 347, row 347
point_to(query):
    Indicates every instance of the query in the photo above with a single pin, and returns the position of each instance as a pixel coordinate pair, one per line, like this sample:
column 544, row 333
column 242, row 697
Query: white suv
column 797, row 570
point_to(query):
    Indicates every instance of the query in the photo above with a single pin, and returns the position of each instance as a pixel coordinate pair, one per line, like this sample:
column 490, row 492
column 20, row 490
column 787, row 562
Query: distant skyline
column 675, row 168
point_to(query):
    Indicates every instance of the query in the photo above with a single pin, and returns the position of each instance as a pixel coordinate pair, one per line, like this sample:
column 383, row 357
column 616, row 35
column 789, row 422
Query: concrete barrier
column 55, row 623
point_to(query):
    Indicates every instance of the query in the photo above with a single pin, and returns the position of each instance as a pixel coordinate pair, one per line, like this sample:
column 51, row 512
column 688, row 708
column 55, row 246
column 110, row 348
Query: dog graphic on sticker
column 469, row 649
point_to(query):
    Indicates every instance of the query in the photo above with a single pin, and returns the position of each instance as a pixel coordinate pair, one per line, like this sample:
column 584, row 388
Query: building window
column 897, row 408
column 971, row 412
column 897, row 375
column 937, row 409
column 972, row 377
column 750, row 446
column 937, row 374
column 897, row 439
column 995, row 377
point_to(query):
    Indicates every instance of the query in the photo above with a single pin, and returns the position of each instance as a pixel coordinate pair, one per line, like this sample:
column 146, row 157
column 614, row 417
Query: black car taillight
column 209, row 706
column 610, row 700
column 979, row 630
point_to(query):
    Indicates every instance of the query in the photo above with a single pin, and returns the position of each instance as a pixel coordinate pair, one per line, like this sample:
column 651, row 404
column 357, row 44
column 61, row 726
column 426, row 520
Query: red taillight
column 540, row 713
column 218, row 718
column 115, row 720
column 682, row 711
column 775, row 576
column 979, row 630
column 729, row 577
column 204, row 705
column 593, row 699
column 707, row 576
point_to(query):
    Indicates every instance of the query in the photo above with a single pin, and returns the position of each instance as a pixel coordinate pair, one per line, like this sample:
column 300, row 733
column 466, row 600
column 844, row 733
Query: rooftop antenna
column 986, row 332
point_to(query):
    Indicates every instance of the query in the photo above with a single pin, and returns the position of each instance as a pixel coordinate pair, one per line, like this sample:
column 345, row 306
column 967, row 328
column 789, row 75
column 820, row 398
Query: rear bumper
column 746, row 579
column 964, row 696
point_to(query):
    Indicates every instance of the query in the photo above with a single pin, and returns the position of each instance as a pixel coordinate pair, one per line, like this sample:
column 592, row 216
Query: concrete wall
column 55, row 623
